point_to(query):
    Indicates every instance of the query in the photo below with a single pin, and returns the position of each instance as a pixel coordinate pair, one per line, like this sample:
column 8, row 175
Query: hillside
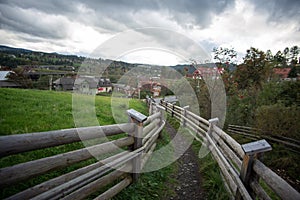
column 24, row 111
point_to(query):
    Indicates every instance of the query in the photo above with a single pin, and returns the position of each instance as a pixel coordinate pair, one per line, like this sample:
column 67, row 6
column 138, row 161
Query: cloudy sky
column 79, row 27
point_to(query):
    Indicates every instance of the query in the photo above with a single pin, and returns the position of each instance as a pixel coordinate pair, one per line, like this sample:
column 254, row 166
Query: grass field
column 25, row 111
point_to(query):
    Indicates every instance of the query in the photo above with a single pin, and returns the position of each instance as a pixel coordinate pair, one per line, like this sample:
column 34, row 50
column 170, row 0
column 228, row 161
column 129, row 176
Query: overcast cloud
column 78, row 27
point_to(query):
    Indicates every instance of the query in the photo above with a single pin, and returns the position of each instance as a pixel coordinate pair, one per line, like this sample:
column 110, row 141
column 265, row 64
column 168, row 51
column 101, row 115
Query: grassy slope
column 23, row 111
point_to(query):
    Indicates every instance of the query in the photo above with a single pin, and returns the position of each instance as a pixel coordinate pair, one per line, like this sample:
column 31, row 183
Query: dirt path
column 188, row 177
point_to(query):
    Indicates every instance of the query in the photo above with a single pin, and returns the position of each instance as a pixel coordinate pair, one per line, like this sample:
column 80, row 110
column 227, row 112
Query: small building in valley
column 6, row 82
column 104, row 85
column 64, row 83
column 83, row 84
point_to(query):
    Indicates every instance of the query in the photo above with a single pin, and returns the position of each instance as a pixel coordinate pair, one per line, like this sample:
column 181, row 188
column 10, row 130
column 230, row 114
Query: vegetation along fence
column 115, row 171
column 253, row 133
column 241, row 168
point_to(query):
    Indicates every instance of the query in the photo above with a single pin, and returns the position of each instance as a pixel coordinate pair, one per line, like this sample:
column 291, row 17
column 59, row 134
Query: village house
column 86, row 85
column 64, row 83
column 83, row 84
column 104, row 85
column 282, row 73
column 5, row 82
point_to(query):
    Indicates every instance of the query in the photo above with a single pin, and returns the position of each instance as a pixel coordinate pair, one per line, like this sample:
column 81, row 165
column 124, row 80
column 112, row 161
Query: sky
column 80, row 27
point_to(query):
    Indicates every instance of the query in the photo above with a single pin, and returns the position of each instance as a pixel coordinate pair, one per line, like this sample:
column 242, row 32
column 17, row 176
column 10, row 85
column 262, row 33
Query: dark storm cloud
column 105, row 16
column 30, row 22
column 279, row 10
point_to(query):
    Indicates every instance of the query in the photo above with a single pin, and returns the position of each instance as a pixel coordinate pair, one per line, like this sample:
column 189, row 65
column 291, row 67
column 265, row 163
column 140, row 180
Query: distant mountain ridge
column 182, row 68
column 13, row 49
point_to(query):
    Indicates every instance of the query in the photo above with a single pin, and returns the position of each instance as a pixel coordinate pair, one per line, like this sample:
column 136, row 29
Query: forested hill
column 13, row 57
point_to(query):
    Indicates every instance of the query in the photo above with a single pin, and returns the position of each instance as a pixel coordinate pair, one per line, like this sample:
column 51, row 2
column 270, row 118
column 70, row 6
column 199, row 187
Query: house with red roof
column 282, row 73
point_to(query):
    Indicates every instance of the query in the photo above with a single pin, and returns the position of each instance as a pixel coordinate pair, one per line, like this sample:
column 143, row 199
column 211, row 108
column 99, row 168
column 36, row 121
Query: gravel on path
column 188, row 177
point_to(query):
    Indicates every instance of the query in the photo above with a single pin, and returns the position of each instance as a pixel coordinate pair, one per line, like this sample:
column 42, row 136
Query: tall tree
column 286, row 52
column 279, row 59
column 269, row 56
column 253, row 71
column 294, row 52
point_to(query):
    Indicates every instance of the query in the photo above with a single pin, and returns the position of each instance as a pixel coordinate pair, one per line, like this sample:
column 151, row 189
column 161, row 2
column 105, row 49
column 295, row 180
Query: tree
column 279, row 59
column 294, row 52
column 294, row 72
column 286, row 55
column 269, row 56
column 253, row 71
column 224, row 55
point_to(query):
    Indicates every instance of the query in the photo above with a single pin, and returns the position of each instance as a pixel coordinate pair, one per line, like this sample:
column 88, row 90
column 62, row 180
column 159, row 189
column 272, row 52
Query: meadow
column 26, row 111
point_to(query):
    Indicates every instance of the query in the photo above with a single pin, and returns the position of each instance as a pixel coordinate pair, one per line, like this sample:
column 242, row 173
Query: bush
column 278, row 119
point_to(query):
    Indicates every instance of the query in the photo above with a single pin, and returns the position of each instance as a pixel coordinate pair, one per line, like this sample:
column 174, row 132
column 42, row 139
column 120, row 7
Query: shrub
column 279, row 120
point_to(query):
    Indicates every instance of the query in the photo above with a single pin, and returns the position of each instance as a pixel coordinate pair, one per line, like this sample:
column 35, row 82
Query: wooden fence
column 253, row 133
column 127, row 157
column 241, row 168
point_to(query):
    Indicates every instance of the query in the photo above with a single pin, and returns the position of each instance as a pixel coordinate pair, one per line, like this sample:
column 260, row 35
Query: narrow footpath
column 189, row 179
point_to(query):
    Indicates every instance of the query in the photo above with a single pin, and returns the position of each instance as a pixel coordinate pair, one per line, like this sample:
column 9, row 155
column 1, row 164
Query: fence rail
column 240, row 167
column 118, row 169
column 254, row 133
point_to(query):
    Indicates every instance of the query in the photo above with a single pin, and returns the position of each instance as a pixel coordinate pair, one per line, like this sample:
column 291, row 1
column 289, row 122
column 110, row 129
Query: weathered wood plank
column 45, row 186
column 153, row 138
column 222, row 161
column 13, row 144
column 227, row 151
column 138, row 143
column 151, row 118
column 195, row 125
column 147, row 155
column 228, row 189
column 198, row 122
column 150, row 126
column 198, row 118
column 197, row 131
column 259, row 191
column 115, row 189
column 92, row 187
column 230, row 141
column 256, row 132
column 27, row 170
column 85, row 179
column 149, row 135
column 279, row 186
column 232, row 185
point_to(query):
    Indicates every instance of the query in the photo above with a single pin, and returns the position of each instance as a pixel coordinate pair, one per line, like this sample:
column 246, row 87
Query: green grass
column 26, row 111
column 212, row 180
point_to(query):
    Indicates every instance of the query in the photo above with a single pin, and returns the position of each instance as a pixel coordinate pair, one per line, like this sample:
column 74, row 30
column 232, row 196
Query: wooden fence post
column 252, row 151
column 150, row 108
column 173, row 110
column 184, row 115
column 212, row 123
column 137, row 118
column 166, row 106
column 161, row 117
